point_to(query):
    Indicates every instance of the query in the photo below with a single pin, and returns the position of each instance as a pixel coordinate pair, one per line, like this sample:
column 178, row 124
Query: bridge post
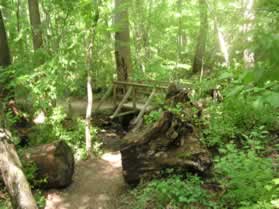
column 145, row 106
column 134, row 99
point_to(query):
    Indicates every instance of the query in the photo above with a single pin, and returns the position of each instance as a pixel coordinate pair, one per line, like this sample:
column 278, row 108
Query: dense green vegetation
column 229, row 47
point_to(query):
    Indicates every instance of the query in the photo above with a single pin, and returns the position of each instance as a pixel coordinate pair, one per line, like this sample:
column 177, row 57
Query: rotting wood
column 122, row 102
column 169, row 143
column 114, row 96
column 54, row 162
column 134, row 99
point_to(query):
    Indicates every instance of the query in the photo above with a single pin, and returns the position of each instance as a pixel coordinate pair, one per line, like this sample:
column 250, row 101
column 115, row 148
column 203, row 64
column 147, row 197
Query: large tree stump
column 169, row 143
column 13, row 176
column 55, row 163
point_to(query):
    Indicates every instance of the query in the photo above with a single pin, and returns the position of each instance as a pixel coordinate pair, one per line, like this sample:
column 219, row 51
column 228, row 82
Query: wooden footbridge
column 129, row 95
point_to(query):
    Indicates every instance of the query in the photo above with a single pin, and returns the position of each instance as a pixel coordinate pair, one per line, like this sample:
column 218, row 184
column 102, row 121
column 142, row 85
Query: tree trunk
column 88, row 117
column 5, row 57
column 200, row 49
column 169, row 143
column 13, row 176
column 249, row 16
column 179, row 32
column 222, row 43
column 122, row 41
column 90, row 62
column 35, row 21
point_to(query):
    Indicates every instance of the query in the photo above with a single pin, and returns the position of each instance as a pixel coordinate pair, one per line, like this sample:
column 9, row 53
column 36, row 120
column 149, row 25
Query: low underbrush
column 241, row 127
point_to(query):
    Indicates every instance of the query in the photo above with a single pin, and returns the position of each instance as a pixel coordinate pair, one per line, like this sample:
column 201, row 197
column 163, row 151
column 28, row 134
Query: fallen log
column 13, row 176
column 54, row 163
column 169, row 143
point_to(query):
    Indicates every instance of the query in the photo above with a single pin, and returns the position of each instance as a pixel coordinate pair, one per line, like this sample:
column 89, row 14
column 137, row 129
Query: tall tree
column 201, row 44
column 35, row 20
column 179, row 32
column 122, row 40
column 5, row 57
column 90, row 61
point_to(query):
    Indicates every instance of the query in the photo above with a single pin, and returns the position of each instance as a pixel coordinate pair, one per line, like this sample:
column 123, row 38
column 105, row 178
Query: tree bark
column 13, row 176
column 169, row 143
column 5, row 57
column 88, row 140
column 122, row 41
column 201, row 45
column 35, row 20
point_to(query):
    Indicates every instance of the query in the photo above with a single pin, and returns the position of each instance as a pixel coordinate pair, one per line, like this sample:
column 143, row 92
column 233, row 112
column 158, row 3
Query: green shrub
column 152, row 117
column 243, row 176
column 5, row 204
column 40, row 199
column 57, row 127
column 174, row 192
column 239, row 121
column 271, row 198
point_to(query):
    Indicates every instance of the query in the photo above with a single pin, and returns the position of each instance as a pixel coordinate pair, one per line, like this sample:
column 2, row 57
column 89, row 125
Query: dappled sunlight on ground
column 114, row 158
column 97, row 184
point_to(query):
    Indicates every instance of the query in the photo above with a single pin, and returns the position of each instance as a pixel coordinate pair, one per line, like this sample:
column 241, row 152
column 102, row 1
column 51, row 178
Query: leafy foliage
column 152, row 117
column 172, row 192
column 248, row 112
column 244, row 177
column 58, row 126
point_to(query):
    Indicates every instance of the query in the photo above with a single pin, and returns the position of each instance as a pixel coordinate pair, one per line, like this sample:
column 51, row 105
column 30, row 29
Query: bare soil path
column 97, row 184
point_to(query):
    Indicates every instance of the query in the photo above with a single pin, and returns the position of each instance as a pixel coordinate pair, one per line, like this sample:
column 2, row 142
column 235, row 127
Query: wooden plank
column 108, row 92
column 139, row 85
column 122, row 102
column 138, row 125
column 134, row 99
column 145, row 106
column 150, row 81
column 114, row 96
column 125, row 113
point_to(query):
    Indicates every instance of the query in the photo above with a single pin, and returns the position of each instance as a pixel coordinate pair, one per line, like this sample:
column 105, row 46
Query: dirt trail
column 97, row 184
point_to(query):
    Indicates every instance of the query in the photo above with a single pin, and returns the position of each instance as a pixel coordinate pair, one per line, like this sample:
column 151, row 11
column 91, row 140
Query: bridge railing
column 133, row 89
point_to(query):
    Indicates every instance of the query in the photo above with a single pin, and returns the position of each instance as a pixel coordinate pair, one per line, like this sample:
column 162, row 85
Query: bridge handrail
column 127, row 83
